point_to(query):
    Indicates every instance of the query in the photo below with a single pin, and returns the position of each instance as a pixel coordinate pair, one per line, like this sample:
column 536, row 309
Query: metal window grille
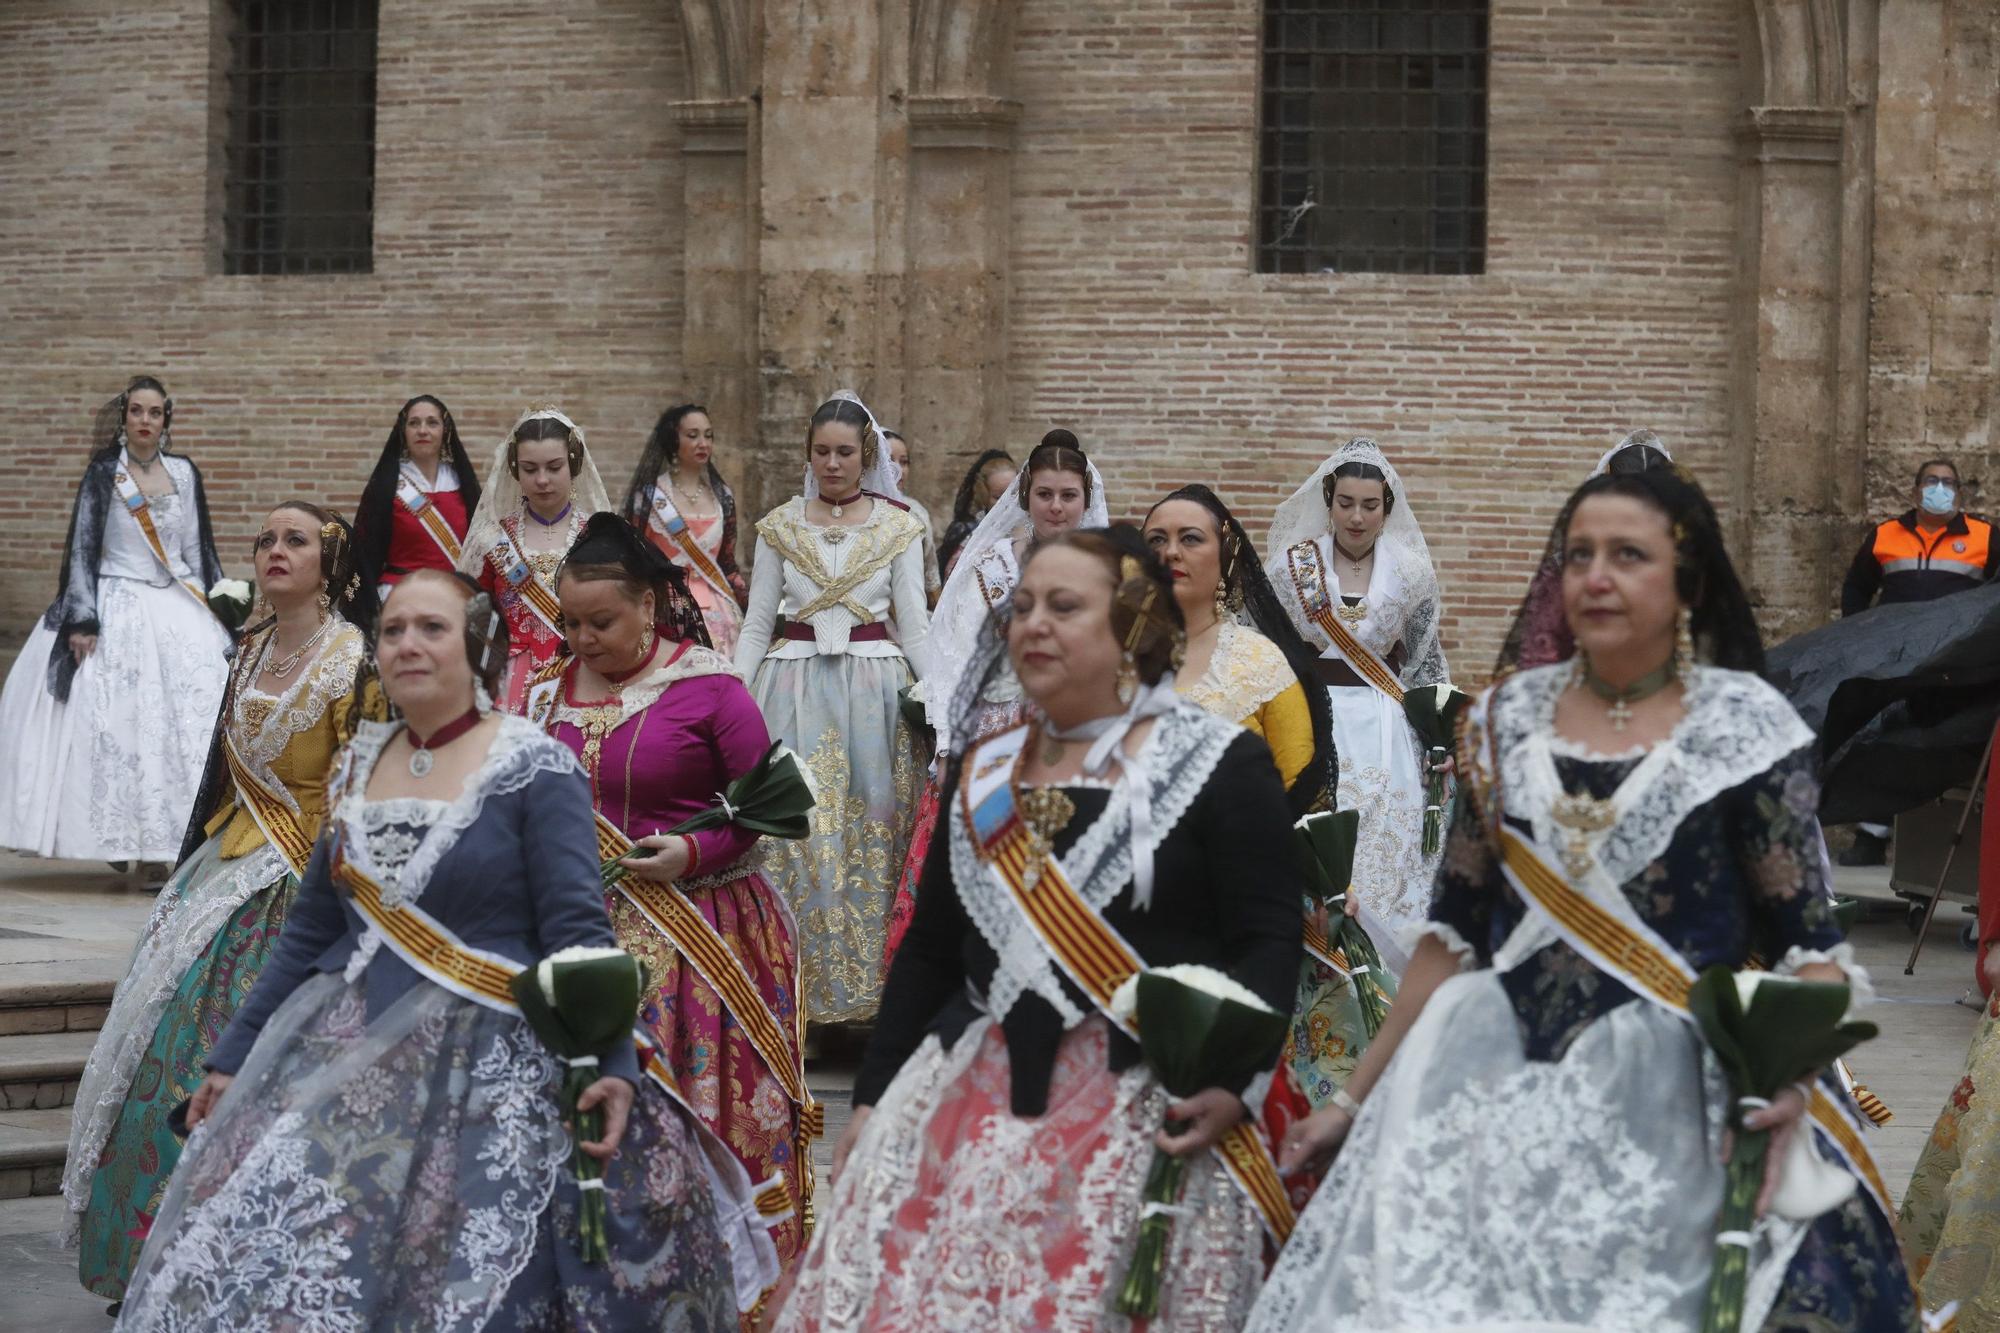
column 299, row 186
column 1372, row 152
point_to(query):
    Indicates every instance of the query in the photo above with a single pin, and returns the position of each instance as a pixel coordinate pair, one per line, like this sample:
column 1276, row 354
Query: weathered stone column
column 719, row 197
column 1786, row 480
column 825, row 298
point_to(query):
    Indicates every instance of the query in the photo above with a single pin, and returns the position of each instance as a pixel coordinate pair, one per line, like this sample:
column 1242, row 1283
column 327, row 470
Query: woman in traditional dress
column 1541, row 632
column 1003, row 1127
column 418, row 502
column 539, row 490
column 682, row 504
column 899, row 455
column 662, row 723
column 1354, row 574
column 1264, row 677
column 107, row 712
column 1535, row 1138
column 285, row 714
column 1059, row 491
column 378, row 1143
column 985, row 484
column 841, row 563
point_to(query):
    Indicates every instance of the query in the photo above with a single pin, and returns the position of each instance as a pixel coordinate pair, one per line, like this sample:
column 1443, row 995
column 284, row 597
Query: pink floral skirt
column 955, row 1213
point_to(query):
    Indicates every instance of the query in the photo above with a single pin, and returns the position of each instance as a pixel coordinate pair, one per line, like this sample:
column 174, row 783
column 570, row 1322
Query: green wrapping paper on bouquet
column 582, row 1003
column 1767, row 1032
column 1433, row 712
column 1326, row 848
column 775, row 798
column 1198, row 1029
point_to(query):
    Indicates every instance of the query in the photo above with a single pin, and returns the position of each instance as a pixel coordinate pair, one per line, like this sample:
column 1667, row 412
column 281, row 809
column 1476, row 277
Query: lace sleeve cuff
column 1449, row 937
column 1841, row 956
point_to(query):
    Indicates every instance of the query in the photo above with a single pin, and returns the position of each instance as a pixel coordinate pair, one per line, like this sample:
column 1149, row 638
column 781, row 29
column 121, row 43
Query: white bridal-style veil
column 1303, row 518
column 501, row 496
column 1649, row 439
column 962, row 611
column 878, row 477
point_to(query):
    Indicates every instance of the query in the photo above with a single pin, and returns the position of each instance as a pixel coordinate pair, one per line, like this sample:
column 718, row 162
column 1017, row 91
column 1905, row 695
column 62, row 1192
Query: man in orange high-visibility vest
column 1934, row 549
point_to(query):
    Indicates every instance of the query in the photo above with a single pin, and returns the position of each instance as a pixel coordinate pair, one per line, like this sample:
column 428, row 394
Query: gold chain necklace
column 285, row 666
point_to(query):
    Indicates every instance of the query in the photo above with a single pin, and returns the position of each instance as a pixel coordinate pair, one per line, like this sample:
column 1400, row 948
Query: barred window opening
column 1372, row 144
column 299, row 184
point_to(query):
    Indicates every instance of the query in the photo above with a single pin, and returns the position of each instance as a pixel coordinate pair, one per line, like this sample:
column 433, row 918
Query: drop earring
column 1684, row 658
column 1128, row 678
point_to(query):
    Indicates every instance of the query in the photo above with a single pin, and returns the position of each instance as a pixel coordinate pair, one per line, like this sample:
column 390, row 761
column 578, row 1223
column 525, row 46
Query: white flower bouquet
column 1198, row 1028
column 230, row 600
column 582, row 1002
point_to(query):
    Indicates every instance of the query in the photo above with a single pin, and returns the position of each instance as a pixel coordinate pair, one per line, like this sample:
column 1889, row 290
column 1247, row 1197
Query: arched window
column 1372, row 146
column 299, row 177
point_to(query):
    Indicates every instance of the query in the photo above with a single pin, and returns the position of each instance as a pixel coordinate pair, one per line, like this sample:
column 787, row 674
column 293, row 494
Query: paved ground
column 70, row 921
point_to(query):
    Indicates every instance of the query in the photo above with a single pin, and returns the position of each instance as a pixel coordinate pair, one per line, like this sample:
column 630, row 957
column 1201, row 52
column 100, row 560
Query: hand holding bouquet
column 581, row 1002
column 1767, row 1032
column 774, row 798
column 230, row 600
column 1326, row 847
column 1433, row 711
column 1198, row 1029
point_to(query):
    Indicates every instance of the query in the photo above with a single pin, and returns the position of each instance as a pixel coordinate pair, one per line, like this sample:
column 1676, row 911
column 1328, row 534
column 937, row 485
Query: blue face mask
column 1940, row 497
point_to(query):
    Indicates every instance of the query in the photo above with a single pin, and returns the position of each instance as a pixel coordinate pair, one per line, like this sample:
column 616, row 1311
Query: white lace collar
column 639, row 695
column 261, row 725
column 1181, row 752
column 1736, row 727
column 519, row 752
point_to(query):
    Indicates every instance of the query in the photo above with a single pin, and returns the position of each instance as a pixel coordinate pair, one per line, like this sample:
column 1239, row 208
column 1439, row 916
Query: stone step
column 40, row 1070
column 55, row 1002
column 33, row 1146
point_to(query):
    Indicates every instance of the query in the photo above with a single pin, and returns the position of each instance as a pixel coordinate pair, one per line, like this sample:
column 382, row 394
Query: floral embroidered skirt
column 1328, row 1034
column 211, row 932
column 1950, row 1223
column 955, row 1213
column 413, row 1172
column 1483, row 1189
column 111, row 774
column 841, row 714
column 1382, row 776
column 720, row 1072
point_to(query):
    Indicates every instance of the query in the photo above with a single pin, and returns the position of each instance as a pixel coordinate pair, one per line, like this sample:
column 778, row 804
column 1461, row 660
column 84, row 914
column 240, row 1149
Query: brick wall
column 1934, row 362
column 516, row 259
column 1137, row 317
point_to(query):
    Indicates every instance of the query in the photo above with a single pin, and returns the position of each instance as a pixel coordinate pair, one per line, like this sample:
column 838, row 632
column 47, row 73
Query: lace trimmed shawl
column 1402, row 607
column 1181, row 752
column 1736, row 727
column 640, row 695
column 519, row 752
column 1245, row 672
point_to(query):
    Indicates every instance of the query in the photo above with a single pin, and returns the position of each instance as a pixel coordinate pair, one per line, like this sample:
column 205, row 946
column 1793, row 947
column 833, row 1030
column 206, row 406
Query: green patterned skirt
column 217, row 923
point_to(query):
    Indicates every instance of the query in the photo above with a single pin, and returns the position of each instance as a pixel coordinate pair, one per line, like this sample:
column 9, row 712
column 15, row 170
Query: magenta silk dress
column 657, row 754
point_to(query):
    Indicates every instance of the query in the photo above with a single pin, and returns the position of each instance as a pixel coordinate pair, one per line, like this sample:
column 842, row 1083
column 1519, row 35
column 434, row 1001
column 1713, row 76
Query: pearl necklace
column 285, row 666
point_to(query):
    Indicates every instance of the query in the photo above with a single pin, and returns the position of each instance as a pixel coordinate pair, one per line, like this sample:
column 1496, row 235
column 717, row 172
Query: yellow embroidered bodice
column 290, row 739
column 1249, row 682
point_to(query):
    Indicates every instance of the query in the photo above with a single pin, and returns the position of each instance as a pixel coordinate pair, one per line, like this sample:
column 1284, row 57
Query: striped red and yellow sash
column 413, row 499
column 710, row 955
column 681, row 542
column 135, row 504
column 1656, row 972
column 1309, row 579
column 1099, row 960
column 522, row 578
column 280, row 826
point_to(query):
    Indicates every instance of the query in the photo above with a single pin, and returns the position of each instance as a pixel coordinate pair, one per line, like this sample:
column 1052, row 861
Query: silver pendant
column 838, row 511
column 420, row 763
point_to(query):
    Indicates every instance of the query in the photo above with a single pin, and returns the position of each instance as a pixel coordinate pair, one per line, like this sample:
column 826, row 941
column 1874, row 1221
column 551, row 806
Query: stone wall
column 528, row 241
column 991, row 216
column 1934, row 381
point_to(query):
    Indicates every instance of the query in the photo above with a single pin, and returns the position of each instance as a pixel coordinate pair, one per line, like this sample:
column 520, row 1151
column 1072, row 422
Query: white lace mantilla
column 519, row 752
column 1180, row 754
column 1736, row 727
column 1400, row 607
